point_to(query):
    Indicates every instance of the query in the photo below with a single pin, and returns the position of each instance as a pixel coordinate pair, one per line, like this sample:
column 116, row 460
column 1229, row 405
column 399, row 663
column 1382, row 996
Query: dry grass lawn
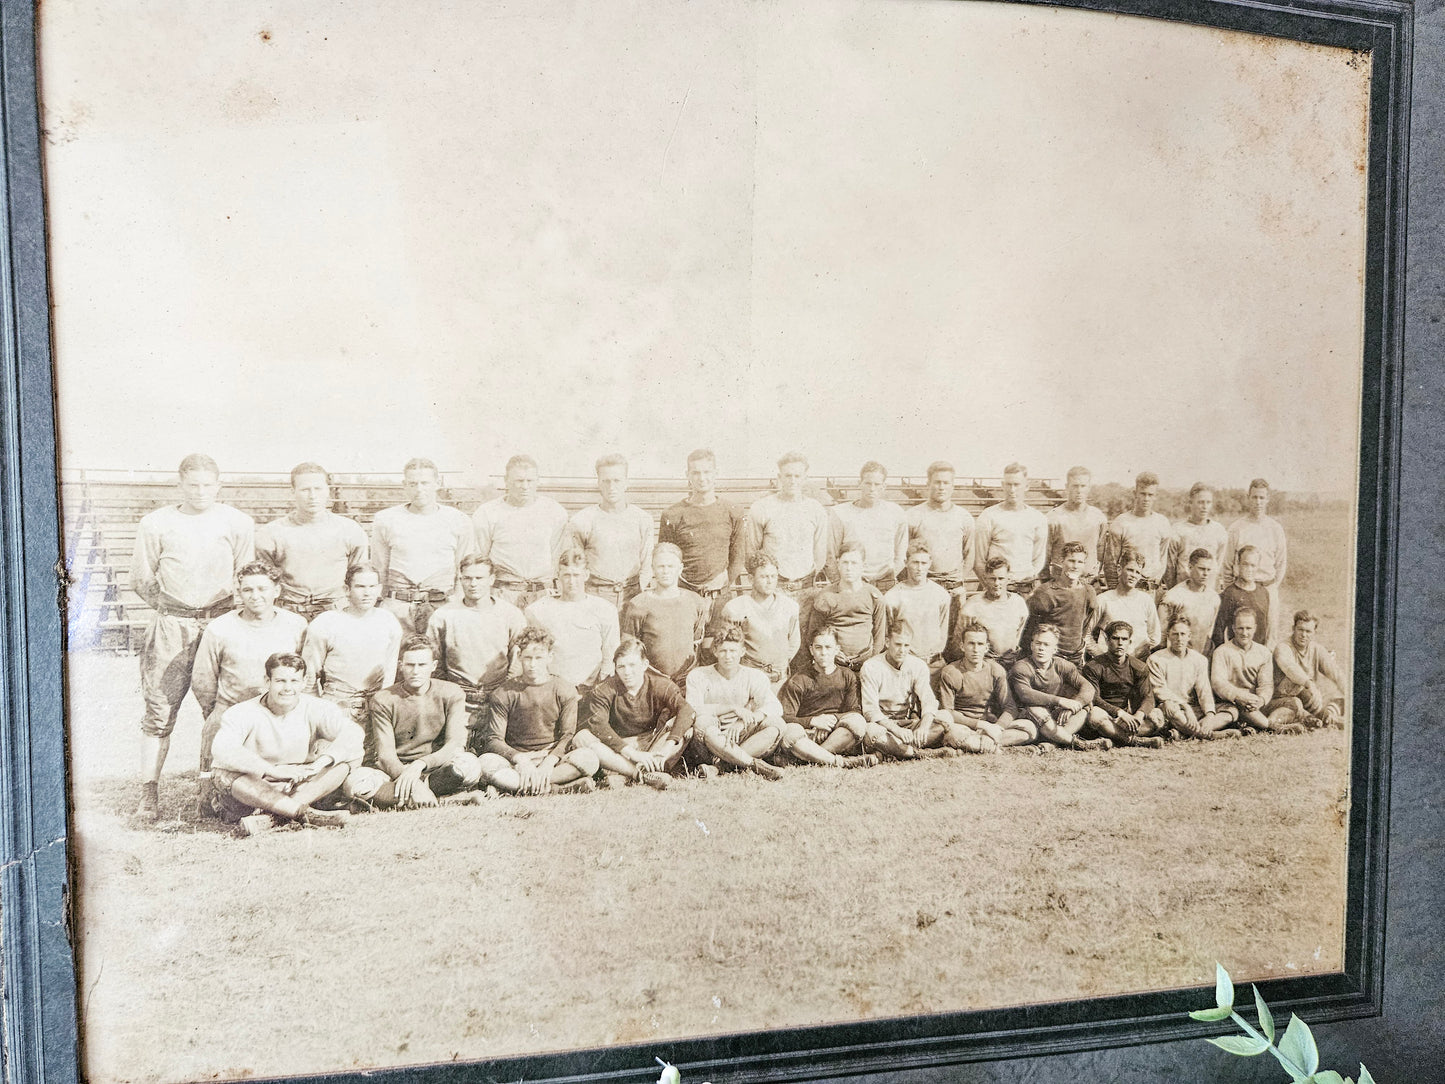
column 538, row 924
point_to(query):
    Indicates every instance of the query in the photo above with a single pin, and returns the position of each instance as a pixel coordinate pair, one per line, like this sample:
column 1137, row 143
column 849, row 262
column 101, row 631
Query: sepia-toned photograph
column 605, row 525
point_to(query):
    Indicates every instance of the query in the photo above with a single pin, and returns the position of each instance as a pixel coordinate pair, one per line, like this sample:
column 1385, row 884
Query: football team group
column 452, row 658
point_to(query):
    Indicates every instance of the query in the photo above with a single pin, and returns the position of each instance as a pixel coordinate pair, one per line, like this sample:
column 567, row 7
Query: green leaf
column 1327, row 1076
column 1223, row 988
column 1365, row 1077
column 1299, row 1045
column 1266, row 1018
column 1242, row 1045
column 1209, row 1016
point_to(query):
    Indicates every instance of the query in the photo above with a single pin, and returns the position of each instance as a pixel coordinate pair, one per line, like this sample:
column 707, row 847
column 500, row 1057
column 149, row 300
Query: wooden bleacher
column 102, row 507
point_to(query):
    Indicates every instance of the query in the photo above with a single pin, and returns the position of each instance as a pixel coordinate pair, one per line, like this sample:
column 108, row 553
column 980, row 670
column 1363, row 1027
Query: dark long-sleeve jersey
column 808, row 693
column 1121, row 686
column 526, row 718
column 978, row 694
column 1061, row 680
column 1072, row 609
column 612, row 714
column 713, row 539
column 857, row 617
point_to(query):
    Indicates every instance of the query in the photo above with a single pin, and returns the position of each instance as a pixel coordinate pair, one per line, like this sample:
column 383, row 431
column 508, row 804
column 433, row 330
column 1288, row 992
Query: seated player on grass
column 527, row 736
column 1053, row 693
column 1246, row 590
column 739, row 720
column 1130, row 604
column 923, row 604
column 975, row 693
column 822, row 723
column 1306, row 671
column 352, row 652
column 1067, row 604
column 1195, row 598
column 635, row 722
column 1179, row 676
column 769, row 620
column 1123, row 709
column 282, row 752
column 671, row 621
column 853, row 609
column 417, row 739
column 896, row 691
column 231, row 658
column 1241, row 673
column 999, row 610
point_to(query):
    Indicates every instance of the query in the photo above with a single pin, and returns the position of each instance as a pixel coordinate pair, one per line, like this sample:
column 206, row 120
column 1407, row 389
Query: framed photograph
column 1131, row 270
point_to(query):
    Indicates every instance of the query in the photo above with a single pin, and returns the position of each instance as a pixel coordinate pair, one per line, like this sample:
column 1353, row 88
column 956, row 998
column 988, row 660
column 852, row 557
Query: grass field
column 538, row 924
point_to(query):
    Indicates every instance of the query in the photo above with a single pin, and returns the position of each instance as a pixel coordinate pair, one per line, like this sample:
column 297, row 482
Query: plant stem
column 1289, row 1067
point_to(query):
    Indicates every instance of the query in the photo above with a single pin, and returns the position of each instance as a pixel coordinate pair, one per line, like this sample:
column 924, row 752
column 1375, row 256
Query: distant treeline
column 1228, row 503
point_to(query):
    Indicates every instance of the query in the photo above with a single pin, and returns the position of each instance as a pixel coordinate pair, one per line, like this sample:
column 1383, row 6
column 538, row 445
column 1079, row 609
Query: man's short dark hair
column 357, row 570
column 472, row 559
column 417, row 642
column 259, row 568
column 630, row 645
column 288, row 659
column 1116, row 627
column 534, row 635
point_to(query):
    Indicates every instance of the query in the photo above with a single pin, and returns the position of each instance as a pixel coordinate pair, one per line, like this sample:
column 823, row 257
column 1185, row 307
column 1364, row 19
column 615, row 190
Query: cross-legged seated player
column 231, row 659
column 1053, row 693
column 1303, row 669
column 975, row 693
column 1179, row 676
column 417, row 747
column 282, row 752
column 527, row 735
column 739, row 720
column 636, row 722
column 822, row 722
column 896, row 691
column 1242, row 675
column 1123, row 710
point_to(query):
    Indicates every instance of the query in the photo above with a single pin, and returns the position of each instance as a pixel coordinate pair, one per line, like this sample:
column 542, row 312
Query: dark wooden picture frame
column 1396, row 787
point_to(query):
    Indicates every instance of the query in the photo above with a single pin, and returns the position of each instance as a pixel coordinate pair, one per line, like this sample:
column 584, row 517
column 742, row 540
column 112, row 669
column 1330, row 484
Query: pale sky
column 356, row 232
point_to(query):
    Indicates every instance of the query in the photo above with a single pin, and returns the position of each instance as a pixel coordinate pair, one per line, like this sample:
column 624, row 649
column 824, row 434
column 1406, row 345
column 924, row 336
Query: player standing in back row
column 185, row 563
column 311, row 547
column 875, row 524
column 418, row 547
column 1076, row 520
column 521, row 534
column 1141, row 529
column 792, row 529
column 709, row 532
column 1265, row 534
column 616, row 536
column 947, row 528
column 1014, row 531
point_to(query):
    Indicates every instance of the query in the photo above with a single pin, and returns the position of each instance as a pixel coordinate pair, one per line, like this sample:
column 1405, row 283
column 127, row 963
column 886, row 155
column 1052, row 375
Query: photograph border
column 41, row 1000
